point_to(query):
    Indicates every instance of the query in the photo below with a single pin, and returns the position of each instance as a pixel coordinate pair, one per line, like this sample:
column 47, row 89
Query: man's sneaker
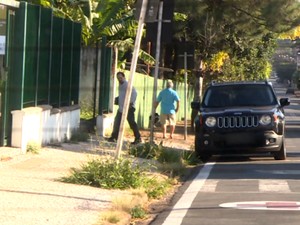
column 136, row 141
column 111, row 139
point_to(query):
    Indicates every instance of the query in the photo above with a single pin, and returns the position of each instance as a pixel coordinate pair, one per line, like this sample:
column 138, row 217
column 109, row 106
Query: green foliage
column 109, row 173
column 163, row 154
column 156, row 188
column 245, row 31
column 168, row 155
column 190, row 158
column 118, row 174
column 138, row 212
column 33, row 147
column 86, row 108
column 146, row 151
column 79, row 136
column 172, row 161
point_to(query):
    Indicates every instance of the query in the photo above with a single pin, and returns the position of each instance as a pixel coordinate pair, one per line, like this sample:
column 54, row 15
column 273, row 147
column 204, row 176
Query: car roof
column 215, row 83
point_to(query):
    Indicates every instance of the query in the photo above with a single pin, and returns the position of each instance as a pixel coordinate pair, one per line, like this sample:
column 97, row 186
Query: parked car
column 240, row 117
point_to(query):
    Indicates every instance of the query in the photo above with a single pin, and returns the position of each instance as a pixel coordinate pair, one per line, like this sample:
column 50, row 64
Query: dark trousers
column 130, row 118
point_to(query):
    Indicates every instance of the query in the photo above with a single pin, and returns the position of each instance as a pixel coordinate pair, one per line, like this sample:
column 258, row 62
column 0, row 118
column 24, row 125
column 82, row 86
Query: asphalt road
column 243, row 190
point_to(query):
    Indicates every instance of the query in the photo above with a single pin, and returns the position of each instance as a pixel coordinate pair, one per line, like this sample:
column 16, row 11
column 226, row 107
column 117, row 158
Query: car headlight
column 210, row 121
column 265, row 120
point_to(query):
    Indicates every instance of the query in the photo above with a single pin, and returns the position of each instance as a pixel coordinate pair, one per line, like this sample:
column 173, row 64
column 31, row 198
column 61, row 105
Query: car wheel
column 204, row 157
column 197, row 145
column 281, row 155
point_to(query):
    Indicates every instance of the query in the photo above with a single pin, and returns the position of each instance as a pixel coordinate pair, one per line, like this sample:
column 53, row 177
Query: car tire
column 197, row 145
column 281, row 155
column 204, row 157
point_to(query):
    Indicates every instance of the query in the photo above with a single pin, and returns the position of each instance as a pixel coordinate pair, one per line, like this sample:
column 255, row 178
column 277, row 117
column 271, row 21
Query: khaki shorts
column 171, row 118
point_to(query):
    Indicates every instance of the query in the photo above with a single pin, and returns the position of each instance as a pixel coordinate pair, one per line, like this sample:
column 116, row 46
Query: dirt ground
column 179, row 140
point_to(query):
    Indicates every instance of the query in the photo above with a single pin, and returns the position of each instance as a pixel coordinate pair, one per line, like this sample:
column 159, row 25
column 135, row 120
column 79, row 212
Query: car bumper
column 239, row 142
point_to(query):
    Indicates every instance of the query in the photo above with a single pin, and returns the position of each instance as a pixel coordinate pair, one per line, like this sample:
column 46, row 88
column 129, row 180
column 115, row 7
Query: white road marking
column 263, row 205
column 184, row 203
column 209, row 186
column 281, row 186
column 282, row 172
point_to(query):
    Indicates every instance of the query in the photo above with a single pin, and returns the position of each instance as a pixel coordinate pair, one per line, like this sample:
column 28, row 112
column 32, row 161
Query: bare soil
column 179, row 141
column 183, row 138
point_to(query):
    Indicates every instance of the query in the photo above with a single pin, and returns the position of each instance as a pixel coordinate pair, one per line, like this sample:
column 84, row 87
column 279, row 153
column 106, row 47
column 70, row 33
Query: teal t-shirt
column 167, row 99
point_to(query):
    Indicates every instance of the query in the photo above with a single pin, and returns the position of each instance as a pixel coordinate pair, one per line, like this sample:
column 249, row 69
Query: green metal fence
column 105, row 74
column 144, row 87
column 43, row 60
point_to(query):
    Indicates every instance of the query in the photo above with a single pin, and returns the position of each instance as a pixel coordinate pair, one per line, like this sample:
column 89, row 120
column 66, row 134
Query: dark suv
column 240, row 117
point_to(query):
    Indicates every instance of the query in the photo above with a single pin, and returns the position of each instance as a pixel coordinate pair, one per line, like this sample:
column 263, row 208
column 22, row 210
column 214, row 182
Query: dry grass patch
column 126, row 208
column 114, row 217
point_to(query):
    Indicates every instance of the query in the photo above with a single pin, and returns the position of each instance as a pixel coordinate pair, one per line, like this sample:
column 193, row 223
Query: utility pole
column 130, row 80
column 188, row 52
column 157, row 55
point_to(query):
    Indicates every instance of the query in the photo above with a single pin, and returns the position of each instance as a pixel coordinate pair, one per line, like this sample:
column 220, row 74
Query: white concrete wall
column 105, row 124
column 43, row 125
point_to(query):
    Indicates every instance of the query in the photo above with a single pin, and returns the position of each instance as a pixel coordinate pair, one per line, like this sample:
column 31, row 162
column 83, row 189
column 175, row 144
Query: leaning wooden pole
column 131, row 77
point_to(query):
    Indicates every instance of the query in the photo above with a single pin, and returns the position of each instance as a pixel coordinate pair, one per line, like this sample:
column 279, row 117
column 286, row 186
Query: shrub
column 138, row 212
column 146, row 151
column 109, row 173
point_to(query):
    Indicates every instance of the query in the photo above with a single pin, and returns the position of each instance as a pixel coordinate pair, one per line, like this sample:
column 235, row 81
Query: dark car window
column 242, row 95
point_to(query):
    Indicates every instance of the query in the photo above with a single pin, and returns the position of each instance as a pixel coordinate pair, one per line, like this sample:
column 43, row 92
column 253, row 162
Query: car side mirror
column 284, row 101
column 195, row 105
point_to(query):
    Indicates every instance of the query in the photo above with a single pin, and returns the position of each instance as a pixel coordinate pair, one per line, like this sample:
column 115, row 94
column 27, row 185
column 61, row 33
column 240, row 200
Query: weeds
column 124, row 173
column 146, row 151
column 108, row 173
column 138, row 212
column 79, row 136
column 113, row 217
column 172, row 161
column 33, row 147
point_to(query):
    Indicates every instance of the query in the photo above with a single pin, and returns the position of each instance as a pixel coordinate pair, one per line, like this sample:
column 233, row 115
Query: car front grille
column 238, row 121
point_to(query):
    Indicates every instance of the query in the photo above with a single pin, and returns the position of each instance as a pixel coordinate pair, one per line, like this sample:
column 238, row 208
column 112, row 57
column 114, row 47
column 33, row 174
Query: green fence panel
column 43, row 61
column 66, row 63
column 144, row 86
column 31, row 55
column 75, row 63
column 56, row 60
column 5, row 113
column 105, row 73
column 44, row 56
column 16, row 64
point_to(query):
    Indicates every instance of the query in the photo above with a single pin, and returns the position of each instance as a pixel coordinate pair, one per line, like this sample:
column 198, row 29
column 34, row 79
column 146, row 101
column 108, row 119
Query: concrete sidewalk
column 31, row 195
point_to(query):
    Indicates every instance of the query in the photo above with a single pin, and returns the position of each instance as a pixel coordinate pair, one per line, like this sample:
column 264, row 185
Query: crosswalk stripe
column 274, row 186
column 271, row 186
column 209, row 186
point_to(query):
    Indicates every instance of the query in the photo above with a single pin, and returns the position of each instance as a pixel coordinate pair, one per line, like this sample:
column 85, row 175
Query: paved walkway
column 31, row 195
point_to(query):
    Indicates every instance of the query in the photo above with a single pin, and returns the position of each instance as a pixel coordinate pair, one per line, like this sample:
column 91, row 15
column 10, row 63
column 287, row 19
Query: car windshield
column 239, row 95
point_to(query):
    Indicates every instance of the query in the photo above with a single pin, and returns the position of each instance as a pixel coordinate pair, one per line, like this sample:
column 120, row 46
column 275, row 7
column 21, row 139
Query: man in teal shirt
column 168, row 97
